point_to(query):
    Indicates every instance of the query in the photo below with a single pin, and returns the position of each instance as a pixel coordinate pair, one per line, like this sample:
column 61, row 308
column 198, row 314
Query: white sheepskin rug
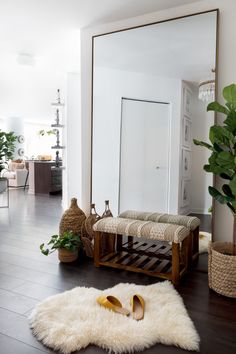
column 204, row 239
column 72, row 320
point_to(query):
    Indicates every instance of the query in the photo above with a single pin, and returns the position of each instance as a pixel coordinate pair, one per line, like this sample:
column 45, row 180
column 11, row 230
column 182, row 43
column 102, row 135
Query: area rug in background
column 72, row 320
column 204, row 239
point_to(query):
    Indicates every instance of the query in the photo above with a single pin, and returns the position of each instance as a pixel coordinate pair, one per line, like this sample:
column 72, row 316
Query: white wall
column 29, row 91
column 72, row 141
column 109, row 87
column 2, row 124
column 16, row 125
column 34, row 144
column 201, row 123
column 226, row 75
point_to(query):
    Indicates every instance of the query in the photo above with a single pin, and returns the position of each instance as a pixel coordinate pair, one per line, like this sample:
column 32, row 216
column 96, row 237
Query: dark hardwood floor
column 27, row 277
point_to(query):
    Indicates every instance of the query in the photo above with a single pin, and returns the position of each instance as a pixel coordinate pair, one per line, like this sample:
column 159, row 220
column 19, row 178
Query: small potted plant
column 67, row 245
column 222, row 162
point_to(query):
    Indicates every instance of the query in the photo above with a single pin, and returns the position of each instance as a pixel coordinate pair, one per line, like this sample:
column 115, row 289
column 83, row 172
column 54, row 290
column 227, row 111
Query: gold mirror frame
column 216, row 86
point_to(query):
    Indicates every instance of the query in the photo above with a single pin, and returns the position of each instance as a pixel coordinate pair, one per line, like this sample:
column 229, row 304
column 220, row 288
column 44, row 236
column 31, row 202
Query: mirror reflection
column 151, row 87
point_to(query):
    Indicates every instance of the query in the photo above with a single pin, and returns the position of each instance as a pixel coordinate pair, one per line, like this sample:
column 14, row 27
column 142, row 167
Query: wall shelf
column 57, row 125
column 57, row 104
column 58, row 147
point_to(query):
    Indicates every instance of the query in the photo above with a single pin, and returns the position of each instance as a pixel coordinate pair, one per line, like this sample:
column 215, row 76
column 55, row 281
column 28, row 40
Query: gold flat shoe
column 112, row 303
column 138, row 306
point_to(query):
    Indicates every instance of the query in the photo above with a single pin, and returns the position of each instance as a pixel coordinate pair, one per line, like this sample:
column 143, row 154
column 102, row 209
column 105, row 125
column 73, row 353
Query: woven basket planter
column 66, row 256
column 222, row 269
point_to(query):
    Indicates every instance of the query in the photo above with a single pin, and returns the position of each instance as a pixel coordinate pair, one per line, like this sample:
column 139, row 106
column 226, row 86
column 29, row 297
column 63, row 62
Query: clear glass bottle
column 94, row 212
column 107, row 212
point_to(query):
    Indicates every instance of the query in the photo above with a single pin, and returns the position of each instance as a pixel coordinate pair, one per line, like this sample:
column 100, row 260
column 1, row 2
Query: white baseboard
column 200, row 211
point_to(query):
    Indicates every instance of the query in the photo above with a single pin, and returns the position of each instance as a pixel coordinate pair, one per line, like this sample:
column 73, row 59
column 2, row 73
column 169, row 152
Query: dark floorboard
column 27, row 277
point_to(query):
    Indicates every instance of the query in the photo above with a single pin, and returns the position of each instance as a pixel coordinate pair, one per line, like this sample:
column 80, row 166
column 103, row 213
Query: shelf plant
column 44, row 132
column 222, row 162
column 67, row 245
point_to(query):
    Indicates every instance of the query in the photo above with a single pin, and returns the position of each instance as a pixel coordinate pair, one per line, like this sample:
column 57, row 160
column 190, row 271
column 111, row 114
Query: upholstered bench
column 157, row 249
column 190, row 222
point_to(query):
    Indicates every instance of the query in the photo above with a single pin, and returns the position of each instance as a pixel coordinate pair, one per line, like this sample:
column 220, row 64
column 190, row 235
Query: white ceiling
column 48, row 29
column 183, row 48
column 35, row 25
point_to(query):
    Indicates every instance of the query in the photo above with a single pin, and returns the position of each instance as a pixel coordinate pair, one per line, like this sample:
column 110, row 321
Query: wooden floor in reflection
column 27, row 277
column 202, row 263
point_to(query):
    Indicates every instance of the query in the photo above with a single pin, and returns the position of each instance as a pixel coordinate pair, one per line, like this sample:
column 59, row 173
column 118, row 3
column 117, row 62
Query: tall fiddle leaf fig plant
column 7, row 146
column 222, row 161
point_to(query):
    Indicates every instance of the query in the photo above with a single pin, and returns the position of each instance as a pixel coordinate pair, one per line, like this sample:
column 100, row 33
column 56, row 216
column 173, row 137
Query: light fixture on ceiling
column 207, row 89
column 25, row 59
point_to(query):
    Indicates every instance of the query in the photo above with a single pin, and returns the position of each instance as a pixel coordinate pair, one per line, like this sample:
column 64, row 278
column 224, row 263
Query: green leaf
column 232, row 185
column 52, row 241
column 214, row 169
column 227, row 191
column 231, row 207
column 229, row 94
column 230, row 121
column 45, row 252
column 220, row 135
column 202, row 143
column 217, row 107
column 218, row 196
column 225, row 176
column 225, row 159
column 210, row 209
column 218, row 170
column 217, row 148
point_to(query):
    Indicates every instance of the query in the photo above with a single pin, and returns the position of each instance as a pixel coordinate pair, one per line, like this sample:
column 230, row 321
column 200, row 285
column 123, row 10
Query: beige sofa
column 16, row 174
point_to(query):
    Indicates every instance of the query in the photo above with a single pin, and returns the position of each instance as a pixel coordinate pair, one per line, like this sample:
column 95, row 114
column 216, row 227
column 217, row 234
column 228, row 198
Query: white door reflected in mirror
column 145, row 139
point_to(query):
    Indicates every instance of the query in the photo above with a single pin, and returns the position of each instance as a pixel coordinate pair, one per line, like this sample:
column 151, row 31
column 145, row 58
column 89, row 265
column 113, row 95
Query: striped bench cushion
column 191, row 222
column 147, row 229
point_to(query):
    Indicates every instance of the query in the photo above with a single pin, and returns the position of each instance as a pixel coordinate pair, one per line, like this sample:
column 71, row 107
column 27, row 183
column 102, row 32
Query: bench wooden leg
column 111, row 243
column 175, row 263
column 97, row 248
column 119, row 239
column 189, row 250
column 130, row 240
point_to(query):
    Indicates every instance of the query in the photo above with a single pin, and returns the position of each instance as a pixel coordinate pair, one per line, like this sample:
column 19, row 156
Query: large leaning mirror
column 151, row 87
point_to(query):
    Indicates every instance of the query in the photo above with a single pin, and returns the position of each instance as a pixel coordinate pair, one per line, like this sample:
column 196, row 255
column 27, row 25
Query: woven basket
column 66, row 256
column 222, row 268
column 72, row 219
